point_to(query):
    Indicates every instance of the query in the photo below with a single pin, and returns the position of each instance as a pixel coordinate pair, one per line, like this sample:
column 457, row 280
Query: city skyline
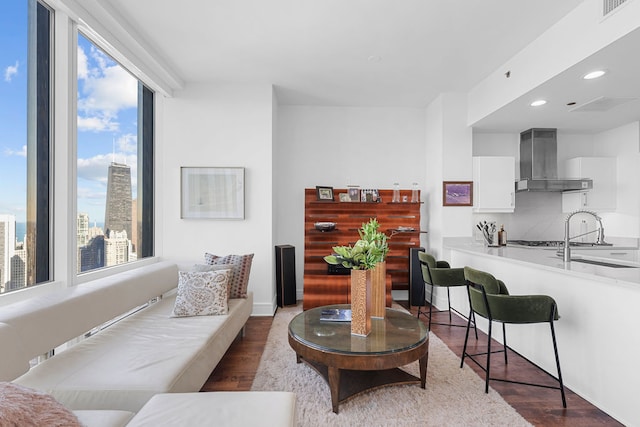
column 106, row 122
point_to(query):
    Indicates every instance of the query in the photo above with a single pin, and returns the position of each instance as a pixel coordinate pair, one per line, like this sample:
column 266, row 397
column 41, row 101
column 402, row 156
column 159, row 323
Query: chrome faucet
column 566, row 250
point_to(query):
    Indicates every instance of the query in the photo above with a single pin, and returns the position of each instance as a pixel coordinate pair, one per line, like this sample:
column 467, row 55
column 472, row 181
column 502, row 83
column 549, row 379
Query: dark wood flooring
column 539, row 406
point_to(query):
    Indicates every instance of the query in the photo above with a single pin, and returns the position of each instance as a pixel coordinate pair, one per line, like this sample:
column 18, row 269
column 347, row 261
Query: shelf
column 320, row 288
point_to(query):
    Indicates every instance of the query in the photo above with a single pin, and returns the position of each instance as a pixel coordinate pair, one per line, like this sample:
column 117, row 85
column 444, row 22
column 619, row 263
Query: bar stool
column 489, row 298
column 439, row 273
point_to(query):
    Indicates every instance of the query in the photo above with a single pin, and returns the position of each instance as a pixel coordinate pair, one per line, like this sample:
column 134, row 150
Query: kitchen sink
column 603, row 263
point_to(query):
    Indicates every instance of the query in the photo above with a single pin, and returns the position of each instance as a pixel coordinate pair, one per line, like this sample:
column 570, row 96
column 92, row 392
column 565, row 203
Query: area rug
column 453, row 396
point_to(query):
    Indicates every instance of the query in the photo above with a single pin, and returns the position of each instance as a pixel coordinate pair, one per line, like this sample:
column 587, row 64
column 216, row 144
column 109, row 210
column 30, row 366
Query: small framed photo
column 344, row 197
column 324, row 193
column 457, row 193
column 354, row 193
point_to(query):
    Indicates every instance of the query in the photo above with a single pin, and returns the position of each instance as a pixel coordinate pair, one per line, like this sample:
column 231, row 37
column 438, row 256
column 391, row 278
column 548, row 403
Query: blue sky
column 107, row 118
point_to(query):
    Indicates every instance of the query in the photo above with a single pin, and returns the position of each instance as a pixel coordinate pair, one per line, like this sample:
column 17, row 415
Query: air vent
column 602, row 103
column 609, row 6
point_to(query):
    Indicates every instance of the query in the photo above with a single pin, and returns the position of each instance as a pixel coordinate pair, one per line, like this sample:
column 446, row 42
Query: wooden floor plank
column 541, row 407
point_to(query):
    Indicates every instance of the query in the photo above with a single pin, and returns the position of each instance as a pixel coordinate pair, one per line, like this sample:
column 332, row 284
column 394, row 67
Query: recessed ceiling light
column 538, row 103
column 594, row 74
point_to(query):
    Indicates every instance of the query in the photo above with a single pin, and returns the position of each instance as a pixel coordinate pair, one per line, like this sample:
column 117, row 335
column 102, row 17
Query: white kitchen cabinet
column 494, row 184
column 603, row 196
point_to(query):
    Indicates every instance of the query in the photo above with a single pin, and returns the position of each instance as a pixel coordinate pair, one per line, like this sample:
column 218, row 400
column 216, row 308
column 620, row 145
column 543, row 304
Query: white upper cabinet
column 603, row 196
column 494, row 184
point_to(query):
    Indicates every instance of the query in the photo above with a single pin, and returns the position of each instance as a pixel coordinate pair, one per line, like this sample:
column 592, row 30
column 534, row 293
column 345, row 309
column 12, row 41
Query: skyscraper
column 117, row 215
column 7, row 249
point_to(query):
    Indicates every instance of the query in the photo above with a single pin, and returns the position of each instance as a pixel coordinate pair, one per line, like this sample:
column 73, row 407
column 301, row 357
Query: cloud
column 96, row 168
column 10, row 71
column 20, row 153
column 127, row 143
column 106, row 87
column 97, row 124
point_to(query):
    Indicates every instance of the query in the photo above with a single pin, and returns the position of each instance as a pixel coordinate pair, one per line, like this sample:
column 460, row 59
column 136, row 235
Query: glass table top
column 398, row 331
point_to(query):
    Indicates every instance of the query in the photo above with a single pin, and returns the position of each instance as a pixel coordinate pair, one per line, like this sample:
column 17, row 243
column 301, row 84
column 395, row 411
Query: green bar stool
column 439, row 273
column 489, row 298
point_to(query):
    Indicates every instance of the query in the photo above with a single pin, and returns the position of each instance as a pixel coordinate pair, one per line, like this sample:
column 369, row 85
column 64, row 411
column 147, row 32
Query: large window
column 25, row 144
column 115, row 162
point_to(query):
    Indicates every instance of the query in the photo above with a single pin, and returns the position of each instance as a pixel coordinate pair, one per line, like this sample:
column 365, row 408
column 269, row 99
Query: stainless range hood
column 539, row 164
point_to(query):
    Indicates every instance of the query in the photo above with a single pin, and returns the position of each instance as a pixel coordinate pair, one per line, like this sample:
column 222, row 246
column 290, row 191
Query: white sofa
column 123, row 366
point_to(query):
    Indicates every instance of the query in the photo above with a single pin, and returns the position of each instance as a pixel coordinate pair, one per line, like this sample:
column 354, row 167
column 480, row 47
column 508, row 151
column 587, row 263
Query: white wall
column 449, row 147
column 337, row 146
column 214, row 125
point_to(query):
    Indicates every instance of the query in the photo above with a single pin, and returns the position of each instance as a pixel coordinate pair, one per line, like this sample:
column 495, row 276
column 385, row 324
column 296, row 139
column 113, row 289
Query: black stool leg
column 486, row 382
column 555, row 350
column 504, row 340
column 466, row 338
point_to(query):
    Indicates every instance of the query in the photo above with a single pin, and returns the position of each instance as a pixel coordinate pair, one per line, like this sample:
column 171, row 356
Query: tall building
column 82, row 229
column 18, row 269
column 116, row 248
column 92, row 255
column 117, row 215
column 7, row 249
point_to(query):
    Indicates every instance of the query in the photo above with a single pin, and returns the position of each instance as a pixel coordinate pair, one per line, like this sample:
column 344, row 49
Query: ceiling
column 600, row 104
column 358, row 52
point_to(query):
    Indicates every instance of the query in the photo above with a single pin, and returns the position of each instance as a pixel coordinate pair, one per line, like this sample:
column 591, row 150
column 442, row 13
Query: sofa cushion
column 218, row 408
column 241, row 269
column 24, row 406
column 147, row 353
column 104, row 418
column 201, row 293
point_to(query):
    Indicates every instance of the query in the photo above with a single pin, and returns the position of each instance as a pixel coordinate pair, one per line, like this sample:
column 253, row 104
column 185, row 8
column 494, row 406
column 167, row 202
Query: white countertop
column 548, row 260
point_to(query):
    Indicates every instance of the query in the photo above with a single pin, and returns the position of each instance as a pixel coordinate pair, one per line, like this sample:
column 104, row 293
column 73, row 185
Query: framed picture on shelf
column 344, row 197
column 324, row 193
column 457, row 193
column 212, row 192
column 354, row 193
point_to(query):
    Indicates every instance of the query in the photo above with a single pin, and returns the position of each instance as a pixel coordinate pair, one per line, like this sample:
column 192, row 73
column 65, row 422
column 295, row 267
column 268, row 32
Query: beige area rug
column 453, row 397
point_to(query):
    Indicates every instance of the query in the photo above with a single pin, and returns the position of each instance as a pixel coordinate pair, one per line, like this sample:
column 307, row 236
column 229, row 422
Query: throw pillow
column 24, row 406
column 241, row 269
column 207, row 267
column 201, row 293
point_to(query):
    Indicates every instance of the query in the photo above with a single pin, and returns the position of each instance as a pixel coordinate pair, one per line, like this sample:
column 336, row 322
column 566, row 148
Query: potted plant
column 368, row 274
column 370, row 232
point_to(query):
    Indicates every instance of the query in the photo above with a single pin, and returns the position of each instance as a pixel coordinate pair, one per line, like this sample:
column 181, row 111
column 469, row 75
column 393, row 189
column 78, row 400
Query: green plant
column 370, row 232
column 369, row 250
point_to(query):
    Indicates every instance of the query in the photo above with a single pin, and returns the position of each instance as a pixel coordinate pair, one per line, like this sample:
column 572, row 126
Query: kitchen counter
column 597, row 343
column 546, row 258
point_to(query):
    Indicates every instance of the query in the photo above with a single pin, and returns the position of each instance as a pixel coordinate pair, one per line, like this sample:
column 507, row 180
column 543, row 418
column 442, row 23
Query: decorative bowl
column 325, row 226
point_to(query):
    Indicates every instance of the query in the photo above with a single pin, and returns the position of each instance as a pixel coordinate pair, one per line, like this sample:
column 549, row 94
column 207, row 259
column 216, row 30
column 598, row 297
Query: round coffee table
column 352, row 364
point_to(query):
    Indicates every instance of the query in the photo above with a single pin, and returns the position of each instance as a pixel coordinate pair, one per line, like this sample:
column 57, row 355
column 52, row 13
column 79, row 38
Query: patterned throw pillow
column 201, row 293
column 24, row 406
column 207, row 267
column 241, row 269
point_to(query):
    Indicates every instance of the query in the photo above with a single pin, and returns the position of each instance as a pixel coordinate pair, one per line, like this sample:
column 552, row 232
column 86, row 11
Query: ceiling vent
column 609, row 6
column 603, row 103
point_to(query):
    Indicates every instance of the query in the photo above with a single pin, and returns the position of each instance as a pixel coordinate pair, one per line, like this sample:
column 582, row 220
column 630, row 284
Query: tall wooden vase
column 360, row 302
column 379, row 290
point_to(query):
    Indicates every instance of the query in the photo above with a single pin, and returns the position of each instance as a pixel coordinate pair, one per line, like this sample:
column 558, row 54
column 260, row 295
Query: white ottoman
column 232, row 408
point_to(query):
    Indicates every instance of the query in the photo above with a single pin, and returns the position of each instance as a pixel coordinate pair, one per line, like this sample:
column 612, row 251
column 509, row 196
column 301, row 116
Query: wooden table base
column 345, row 384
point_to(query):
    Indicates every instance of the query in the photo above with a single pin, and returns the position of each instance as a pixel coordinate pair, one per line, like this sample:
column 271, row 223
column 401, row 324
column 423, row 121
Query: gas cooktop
column 535, row 243
column 550, row 243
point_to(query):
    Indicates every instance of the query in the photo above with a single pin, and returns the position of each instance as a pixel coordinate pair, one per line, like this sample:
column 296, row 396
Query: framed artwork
column 324, row 193
column 457, row 193
column 212, row 192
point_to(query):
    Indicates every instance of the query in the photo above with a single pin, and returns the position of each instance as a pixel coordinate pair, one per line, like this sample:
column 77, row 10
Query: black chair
column 489, row 298
column 439, row 273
